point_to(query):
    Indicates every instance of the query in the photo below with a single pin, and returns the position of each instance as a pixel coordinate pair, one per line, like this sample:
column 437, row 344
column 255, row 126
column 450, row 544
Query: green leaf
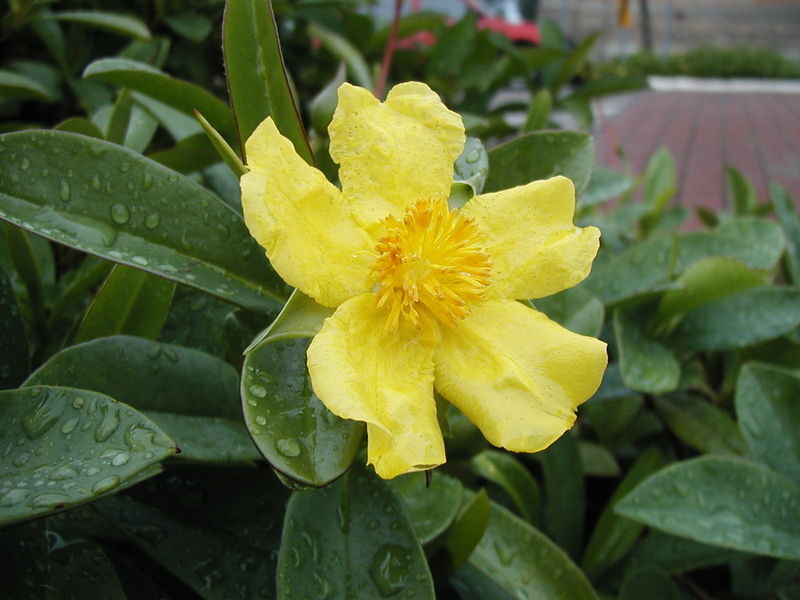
column 785, row 210
column 613, row 536
column 358, row 538
column 80, row 125
column 515, row 561
column 294, row 431
column 603, row 185
column 540, row 155
column 222, row 545
column 740, row 191
column 120, row 117
column 431, row 508
column 453, row 47
column 597, row 460
column 345, row 51
column 659, row 180
column 191, row 154
column 192, row 396
column 17, row 86
column 43, row 567
column 110, row 21
column 197, row 320
column 116, row 204
column 705, row 281
column 300, row 317
column 646, row 364
column 83, row 442
column 565, row 498
column 30, row 270
column 700, row 424
column 471, row 168
column 539, row 111
column 130, row 302
column 573, row 63
column 225, row 152
column 723, row 501
column 258, row 84
column 323, row 105
column 769, row 416
column 182, row 95
column 753, row 316
column 576, row 309
column 502, row 469
column 675, row 554
column 468, row 528
column 190, row 25
column 651, row 584
column 15, row 362
column 641, row 269
column 753, row 241
column 610, row 416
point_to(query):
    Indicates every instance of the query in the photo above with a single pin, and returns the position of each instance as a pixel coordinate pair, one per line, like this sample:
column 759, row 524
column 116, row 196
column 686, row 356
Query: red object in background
column 525, row 32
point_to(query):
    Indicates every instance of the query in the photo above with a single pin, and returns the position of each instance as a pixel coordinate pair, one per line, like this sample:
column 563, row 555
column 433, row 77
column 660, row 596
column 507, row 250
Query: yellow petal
column 394, row 153
column 300, row 218
column 535, row 249
column 385, row 379
column 516, row 374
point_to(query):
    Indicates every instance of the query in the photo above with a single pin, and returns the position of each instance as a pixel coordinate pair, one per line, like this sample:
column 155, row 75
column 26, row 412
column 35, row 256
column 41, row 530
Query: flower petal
column 535, row 249
column 516, row 374
column 300, row 218
column 394, row 153
column 385, row 379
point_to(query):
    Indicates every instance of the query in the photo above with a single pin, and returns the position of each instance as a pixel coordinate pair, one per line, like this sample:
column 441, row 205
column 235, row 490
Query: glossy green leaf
column 116, row 204
column 702, row 282
column 197, row 320
column 131, row 302
column 610, row 416
column 723, row 501
column 80, row 125
column 517, row 562
column 787, row 215
column 756, row 242
column 700, row 424
column 181, row 95
column 768, row 407
column 539, row 111
column 646, row 364
column 613, row 536
column 431, row 508
column 540, row 155
column 180, row 125
column 468, row 528
column 301, row 316
column 514, row 478
column 189, row 394
column 565, row 497
column 290, row 426
column 224, row 151
column 49, row 563
column 752, row 316
column 651, row 584
column 15, row 362
column 222, row 545
column 659, row 181
column 675, row 554
column 576, row 309
column 70, row 446
column 120, row 117
column 641, row 269
column 471, row 168
column 453, row 47
column 190, row 25
column 257, row 81
column 573, row 63
column 187, row 156
column 741, row 193
column 603, row 185
column 30, row 271
column 323, row 105
column 110, row 21
column 357, row 540
column 16, row 85
column 597, row 460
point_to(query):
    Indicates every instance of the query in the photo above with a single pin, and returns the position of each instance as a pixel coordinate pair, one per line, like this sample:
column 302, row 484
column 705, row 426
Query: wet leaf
column 431, row 508
column 70, row 446
column 294, row 431
column 514, row 478
column 646, row 364
column 651, row 584
column 15, row 362
column 351, row 539
column 723, row 501
column 576, row 309
column 189, row 394
column 700, row 424
column 565, row 498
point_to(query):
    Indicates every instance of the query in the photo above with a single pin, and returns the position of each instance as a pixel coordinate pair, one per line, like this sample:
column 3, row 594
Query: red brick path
column 758, row 133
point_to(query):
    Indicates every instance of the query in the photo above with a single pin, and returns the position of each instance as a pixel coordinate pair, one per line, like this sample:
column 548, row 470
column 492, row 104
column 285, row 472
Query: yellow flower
column 425, row 297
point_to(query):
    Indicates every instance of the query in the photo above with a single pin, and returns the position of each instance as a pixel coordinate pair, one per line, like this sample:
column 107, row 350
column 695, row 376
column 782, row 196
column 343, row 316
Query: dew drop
column 105, row 484
column 108, row 424
column 13, row 497
column 25, row 164
column 96, row 183
column 125, row 167
column 261, row 420
column 120, row 459
column 47, row 500
column 389, row 569
column 259, row 391
column 288, row 447
column 64, row 191
column 473, row 156
column 140, row 260
column 70, row 424
column 152, row 220
column 147, row 181
column 120, row 213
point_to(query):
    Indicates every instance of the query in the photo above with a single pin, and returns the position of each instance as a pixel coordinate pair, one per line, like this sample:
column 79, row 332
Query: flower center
column 430, row 265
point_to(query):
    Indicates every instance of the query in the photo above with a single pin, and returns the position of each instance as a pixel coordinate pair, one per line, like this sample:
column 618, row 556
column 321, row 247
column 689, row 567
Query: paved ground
column 756, row 132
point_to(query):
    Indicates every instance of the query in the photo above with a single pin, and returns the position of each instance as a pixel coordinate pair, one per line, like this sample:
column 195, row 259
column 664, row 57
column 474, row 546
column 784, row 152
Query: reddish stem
column 388, row 52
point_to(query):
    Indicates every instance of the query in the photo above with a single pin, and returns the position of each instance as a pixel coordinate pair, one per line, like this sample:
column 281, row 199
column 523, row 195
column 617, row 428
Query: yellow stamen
column 430, row 265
